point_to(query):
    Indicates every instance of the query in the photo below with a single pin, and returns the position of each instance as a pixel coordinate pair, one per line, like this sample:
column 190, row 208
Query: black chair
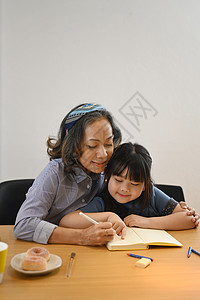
column 12, row 195
column 174, row 191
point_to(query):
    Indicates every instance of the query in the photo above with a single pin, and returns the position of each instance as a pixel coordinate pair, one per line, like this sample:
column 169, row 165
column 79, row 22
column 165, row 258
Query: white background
column 56, row 54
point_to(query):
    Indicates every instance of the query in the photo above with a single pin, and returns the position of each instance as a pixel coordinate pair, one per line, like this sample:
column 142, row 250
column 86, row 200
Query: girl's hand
column 117, row 224
column 137, row 221
column 191, row 212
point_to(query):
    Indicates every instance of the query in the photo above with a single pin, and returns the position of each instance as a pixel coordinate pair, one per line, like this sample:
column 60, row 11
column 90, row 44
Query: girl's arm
column 178, row 220
column 74, row 220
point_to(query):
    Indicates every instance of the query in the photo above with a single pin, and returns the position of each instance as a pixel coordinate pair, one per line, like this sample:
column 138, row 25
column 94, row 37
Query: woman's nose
column 102, row 153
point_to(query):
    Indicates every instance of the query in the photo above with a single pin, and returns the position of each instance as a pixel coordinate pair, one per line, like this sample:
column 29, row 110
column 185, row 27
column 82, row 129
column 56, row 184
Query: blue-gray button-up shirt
column 53, row 194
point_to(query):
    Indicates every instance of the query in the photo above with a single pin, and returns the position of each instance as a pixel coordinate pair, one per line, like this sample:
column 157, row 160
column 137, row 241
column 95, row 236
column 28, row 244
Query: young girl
column 85, row 143
column 130, row 193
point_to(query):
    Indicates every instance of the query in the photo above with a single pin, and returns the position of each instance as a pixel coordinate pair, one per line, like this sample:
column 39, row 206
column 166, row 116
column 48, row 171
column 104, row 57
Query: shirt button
column 88, row 186
column 83, row 200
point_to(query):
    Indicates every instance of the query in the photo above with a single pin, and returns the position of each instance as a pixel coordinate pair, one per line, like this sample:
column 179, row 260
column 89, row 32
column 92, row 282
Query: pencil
column 88, row 218
column 189, row 252
column 139, row 256
column 92, row 220
column 196, row 252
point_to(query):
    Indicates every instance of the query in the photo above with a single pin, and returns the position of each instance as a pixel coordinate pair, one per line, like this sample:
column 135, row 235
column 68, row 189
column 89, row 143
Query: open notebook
column 140, row 238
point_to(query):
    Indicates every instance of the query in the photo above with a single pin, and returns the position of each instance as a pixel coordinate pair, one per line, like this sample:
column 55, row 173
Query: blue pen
column 189, row 251
column 139, row 256
column 196, row 252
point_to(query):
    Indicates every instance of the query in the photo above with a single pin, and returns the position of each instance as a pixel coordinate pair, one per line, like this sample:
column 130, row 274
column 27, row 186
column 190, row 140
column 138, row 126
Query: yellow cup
column 3, row 254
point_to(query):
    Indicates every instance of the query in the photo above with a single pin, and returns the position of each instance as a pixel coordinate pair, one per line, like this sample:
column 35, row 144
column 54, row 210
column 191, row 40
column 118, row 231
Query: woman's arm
column 94, row 235
column 74, row 220
column 178, row 220
column 31, row 223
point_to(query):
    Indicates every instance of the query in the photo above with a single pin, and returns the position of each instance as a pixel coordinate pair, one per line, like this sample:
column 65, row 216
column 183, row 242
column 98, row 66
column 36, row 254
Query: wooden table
column 101, row 274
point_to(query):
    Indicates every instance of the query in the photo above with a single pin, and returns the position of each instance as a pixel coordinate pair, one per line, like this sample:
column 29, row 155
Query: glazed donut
column 38, row 251
column 34, row 263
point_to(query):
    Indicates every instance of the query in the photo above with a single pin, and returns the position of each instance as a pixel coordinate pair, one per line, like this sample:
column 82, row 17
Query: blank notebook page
column 155, row 236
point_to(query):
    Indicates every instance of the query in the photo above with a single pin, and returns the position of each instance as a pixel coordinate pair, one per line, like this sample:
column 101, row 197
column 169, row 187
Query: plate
column 53, row 263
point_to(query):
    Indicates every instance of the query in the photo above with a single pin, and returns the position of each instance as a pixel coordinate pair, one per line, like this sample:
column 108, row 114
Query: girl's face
column 124, row 190
column 97, row 146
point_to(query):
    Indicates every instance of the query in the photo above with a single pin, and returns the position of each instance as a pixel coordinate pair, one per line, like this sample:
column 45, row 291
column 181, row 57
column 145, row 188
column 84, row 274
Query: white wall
column 56, row 54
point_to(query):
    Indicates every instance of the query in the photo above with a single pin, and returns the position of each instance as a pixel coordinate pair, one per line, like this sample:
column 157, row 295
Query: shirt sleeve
column 96, row 205
column 169, row 208
column 163, row 203
column 30, row 224
column 43, row 231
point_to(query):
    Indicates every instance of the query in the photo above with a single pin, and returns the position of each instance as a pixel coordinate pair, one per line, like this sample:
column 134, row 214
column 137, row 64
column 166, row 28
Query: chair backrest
column 12, row 195
column 174, row 191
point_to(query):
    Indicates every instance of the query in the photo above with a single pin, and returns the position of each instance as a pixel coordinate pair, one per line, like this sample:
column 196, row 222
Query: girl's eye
column 118, row 180
column 109, row 145
column 135, row 184
column 91, row 147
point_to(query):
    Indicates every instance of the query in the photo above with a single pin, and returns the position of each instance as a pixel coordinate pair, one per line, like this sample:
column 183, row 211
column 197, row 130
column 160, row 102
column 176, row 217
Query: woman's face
column 124, row 190
column 97, row 146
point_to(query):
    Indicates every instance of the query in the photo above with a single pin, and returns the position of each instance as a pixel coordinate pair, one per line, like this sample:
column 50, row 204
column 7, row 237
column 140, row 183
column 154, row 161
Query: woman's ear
column 143, row 187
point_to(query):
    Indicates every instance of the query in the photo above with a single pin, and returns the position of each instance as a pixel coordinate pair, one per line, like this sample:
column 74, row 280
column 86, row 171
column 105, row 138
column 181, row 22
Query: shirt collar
column 81, row 175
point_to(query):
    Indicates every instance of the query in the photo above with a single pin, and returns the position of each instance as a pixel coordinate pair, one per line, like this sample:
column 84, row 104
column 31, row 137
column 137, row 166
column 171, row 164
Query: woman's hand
column 93, row 235
column 117, row 224
column 97, row 235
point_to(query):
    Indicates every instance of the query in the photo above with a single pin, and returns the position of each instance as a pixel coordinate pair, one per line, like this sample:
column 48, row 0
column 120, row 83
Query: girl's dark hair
column 138, row 162
column 68, row 147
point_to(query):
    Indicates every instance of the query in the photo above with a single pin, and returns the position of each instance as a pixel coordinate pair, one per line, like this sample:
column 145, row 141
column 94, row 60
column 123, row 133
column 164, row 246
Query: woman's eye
column 135, row 184
column 91, row 147
column 109, row 145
